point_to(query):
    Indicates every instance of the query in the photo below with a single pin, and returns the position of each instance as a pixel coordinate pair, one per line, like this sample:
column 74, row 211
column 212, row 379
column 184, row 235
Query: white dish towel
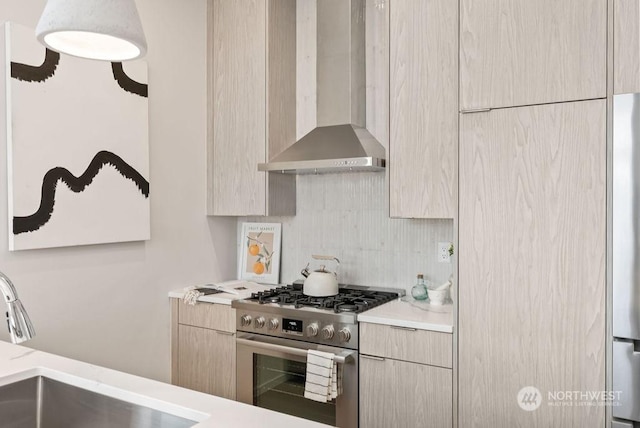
column 324, row 377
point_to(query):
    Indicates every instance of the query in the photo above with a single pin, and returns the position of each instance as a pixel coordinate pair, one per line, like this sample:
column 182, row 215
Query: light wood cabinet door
column 626, row 46
column 251, row 105
column 523, row 52
column 238, row 125
column 206, row 361
column 407, row 344
column 423, row 123
column 404, row 395
column 532, row 262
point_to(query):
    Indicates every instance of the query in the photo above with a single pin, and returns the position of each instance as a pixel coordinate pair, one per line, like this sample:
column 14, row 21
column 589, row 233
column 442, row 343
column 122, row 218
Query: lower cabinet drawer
column 208, row 315
column 206, row 361
column 406, row 344
column 404, row 395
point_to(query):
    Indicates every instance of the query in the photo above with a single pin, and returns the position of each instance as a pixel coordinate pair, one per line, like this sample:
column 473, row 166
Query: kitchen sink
column 42, row 402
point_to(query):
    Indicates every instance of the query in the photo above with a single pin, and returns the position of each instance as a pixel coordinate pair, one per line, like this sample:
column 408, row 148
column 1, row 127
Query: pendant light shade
column 108, row 30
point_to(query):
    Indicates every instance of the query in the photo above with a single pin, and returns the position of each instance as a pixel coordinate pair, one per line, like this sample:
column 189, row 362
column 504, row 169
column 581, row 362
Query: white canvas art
column 78, row 147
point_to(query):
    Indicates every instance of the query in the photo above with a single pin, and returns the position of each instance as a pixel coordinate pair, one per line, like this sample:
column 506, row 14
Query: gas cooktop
column 349, row 298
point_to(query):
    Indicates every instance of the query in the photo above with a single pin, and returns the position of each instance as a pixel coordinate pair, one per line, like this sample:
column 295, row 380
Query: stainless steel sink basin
column 41, row 402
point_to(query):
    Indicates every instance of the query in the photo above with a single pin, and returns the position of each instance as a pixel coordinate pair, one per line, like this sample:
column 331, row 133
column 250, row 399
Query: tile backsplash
column 344, row 215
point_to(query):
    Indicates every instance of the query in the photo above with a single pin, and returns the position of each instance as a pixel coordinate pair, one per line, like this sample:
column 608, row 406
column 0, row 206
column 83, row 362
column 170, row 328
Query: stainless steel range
column 277, row 327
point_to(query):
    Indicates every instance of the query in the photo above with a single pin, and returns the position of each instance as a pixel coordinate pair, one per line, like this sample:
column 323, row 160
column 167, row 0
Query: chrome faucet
column 20, row 326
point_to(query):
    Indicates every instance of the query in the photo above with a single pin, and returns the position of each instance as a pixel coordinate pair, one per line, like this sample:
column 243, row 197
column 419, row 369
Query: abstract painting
column 77, row 147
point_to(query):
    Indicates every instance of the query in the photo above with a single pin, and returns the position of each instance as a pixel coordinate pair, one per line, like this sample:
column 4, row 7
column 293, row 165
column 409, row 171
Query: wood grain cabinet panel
column 203, row 348
column 251, row 105
column 238, row 108
column 532, row 262
column 206, row 361
column 211, row 316
column 626, row 46
column 523, row 52
column 404, row 395
column 419, row 346
column 423, row 124
column 400, row 385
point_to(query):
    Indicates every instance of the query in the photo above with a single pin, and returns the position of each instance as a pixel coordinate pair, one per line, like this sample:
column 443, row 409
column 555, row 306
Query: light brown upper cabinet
column 626, row 46
column 251, row 105
column 423, row 93
column 531, row 255
column 523, row 52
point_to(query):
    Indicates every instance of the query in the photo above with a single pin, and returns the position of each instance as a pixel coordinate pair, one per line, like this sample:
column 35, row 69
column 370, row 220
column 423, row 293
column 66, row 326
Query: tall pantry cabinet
column 532, row 262
column 532, row 209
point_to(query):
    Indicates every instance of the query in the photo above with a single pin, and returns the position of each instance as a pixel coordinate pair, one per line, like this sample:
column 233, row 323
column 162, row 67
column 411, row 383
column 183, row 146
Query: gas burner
column 314, row 302
column 345, row 307
column 281, row 295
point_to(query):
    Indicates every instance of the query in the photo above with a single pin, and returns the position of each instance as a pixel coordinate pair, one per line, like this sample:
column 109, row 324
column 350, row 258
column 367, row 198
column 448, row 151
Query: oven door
column 271, row 373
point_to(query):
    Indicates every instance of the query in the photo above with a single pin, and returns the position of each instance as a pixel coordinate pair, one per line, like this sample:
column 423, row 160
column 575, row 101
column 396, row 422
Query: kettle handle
column 305, row 272
column 319, row 257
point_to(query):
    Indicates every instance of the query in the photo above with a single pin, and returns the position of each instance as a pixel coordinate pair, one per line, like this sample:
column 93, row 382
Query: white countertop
column 18, row 362
column 411, row 314
column 226, row 298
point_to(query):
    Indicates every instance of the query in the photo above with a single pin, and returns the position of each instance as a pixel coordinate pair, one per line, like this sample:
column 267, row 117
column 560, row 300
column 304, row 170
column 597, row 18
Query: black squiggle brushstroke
column 126, row 82
column 30, row 73
column 38, row 219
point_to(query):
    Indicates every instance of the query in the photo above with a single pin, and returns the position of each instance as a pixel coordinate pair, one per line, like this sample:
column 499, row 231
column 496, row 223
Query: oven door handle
column 344, row 357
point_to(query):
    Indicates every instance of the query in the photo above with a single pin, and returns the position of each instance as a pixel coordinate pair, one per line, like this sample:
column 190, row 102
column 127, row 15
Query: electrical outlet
column 443, row 253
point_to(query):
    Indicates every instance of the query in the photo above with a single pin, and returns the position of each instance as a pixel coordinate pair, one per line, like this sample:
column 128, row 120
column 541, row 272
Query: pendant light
column 108, row 30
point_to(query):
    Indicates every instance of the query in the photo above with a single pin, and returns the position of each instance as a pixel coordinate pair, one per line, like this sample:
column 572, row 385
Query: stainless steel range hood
column 333, row 49
column 338, row 148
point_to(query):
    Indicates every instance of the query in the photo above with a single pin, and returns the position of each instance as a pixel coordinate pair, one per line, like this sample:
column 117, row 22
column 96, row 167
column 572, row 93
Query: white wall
column 344, row 215
column 107, row 304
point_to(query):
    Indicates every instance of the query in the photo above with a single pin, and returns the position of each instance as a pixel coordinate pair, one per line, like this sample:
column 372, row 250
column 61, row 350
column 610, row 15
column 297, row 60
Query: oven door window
column 279, row 386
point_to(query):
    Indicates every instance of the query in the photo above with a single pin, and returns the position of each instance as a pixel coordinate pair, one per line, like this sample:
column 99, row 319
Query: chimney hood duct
column 340, row 141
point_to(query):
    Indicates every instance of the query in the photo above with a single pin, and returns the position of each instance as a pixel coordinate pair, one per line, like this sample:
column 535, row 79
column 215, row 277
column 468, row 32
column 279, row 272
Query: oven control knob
column 245, row 320
column 312, row 330
column 259, row 322
column 273, row 324
column 327, row 332
column 344, row 335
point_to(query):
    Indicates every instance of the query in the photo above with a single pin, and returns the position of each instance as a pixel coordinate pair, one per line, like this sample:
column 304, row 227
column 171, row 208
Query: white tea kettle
column 321, row 282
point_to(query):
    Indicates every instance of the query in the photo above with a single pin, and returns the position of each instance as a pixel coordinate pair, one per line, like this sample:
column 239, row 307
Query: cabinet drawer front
column 208, row 315
column 207, row 361
column 418, row 346
column 405, row 395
